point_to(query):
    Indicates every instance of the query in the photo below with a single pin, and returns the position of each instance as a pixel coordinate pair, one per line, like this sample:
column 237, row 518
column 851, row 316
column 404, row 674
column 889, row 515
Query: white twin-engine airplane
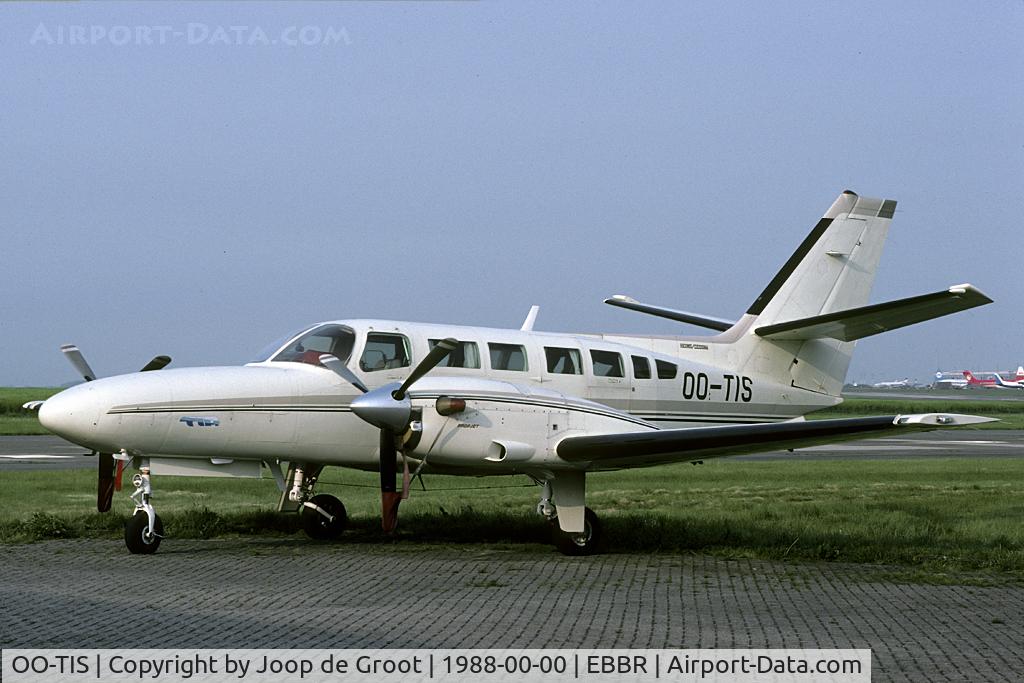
column 475, row 401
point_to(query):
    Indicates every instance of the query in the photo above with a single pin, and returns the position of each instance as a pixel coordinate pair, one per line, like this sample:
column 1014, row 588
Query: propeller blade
column 334, row 364
column 76, row 358
column 436, row 355
column 119, row 475
column 390, row 410
column 158, row 363
column 105, row 482
column 389, row 496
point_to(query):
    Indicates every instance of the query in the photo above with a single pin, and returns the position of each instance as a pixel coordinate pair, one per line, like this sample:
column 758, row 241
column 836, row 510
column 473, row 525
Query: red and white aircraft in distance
column 394, row 396
column 995, row 381
column 1016, row 383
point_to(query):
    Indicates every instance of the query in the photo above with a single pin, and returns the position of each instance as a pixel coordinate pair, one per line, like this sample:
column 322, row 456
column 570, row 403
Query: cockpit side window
column 336, row 340
column 384, row 352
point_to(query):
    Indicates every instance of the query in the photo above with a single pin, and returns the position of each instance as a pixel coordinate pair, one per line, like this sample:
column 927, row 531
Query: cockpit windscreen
column 336, row 340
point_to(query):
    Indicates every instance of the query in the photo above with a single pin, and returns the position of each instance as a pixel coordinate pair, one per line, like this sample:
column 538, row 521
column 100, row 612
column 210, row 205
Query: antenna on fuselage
column 531, row 318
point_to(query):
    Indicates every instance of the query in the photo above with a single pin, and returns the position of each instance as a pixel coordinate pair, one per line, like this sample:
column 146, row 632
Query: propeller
column 76, row 358
column 389, row 409
column 158, row 363
column 334, row 364
column 107, row 480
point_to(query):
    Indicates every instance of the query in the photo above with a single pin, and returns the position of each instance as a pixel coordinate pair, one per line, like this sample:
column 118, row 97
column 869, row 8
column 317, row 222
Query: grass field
column 931, row 517
column 16, row 420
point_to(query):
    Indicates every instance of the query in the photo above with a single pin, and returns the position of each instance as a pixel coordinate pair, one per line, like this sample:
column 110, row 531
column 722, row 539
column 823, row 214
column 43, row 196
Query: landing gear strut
column 323, row 516
column 577, row 531
column 144, row 530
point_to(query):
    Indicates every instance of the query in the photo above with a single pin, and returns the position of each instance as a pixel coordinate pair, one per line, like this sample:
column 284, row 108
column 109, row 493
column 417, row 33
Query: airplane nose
column 72, row 414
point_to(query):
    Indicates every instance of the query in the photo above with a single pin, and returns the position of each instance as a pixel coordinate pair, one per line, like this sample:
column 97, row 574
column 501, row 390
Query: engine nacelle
column 505, row 427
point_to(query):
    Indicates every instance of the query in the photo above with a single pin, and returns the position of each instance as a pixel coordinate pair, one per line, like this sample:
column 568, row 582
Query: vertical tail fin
column 832, row 270
column 834, row 267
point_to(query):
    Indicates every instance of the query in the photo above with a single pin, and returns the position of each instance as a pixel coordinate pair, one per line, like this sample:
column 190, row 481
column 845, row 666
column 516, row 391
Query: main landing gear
column 577, row 530
column 323, row 516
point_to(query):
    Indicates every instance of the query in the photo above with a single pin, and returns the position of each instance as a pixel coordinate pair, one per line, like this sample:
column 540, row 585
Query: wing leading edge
column 682, row 445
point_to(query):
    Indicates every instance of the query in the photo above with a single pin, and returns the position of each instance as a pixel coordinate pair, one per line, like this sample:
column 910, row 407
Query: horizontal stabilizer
column 718, row 324
column 857, row 323
column 637, row 449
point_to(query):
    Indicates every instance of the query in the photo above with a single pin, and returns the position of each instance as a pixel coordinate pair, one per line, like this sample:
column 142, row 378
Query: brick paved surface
column 292, row 593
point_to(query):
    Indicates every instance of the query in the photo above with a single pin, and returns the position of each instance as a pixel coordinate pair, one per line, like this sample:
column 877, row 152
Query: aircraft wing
column 637, row 449
column 857, row 323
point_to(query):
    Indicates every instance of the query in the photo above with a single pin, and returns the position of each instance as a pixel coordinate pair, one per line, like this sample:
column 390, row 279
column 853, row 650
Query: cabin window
column 465, row 355
column 641, row 367
column 563, row 361
column 606, row 363
column 507, row 357
column 336, row 340
column 384, row 352
column 666, row 370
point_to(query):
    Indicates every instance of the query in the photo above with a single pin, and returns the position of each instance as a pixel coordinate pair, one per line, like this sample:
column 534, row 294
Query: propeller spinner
column 389, row 409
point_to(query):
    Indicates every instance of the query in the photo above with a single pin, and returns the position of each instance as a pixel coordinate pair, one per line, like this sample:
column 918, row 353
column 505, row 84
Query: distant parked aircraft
column 905, row 383
column 972, row 381
column 995, row 381
column 949, row 380
column 1017, row 383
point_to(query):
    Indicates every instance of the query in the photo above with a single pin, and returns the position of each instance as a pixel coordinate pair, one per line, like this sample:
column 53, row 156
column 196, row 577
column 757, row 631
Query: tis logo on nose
column 200, row 421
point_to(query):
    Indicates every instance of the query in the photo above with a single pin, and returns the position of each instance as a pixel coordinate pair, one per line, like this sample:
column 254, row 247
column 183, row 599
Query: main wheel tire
column 319, row 527
column 136, row 535
column 587, row 543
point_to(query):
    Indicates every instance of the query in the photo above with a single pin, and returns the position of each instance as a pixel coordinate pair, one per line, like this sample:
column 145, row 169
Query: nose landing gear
column 144, row 530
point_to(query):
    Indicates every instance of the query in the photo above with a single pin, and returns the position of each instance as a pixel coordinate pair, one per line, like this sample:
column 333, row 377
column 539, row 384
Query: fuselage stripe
column 639, row 418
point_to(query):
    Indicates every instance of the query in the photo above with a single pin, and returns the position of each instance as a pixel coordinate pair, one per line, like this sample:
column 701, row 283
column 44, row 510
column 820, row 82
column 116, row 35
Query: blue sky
column 459, row 162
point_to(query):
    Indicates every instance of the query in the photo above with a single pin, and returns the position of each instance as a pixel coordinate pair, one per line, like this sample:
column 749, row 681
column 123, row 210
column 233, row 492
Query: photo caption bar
column 451, row 666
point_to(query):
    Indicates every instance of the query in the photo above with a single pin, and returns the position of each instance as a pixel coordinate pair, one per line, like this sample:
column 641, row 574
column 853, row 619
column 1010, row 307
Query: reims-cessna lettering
column 471, row 401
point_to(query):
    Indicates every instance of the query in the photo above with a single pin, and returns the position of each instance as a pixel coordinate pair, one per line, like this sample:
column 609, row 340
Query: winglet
column 531, row 318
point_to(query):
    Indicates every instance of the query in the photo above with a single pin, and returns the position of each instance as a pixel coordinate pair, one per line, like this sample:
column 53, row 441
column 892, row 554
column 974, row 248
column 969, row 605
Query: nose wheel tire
column 587, row 543
column 137, row 536
column 319, row 527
